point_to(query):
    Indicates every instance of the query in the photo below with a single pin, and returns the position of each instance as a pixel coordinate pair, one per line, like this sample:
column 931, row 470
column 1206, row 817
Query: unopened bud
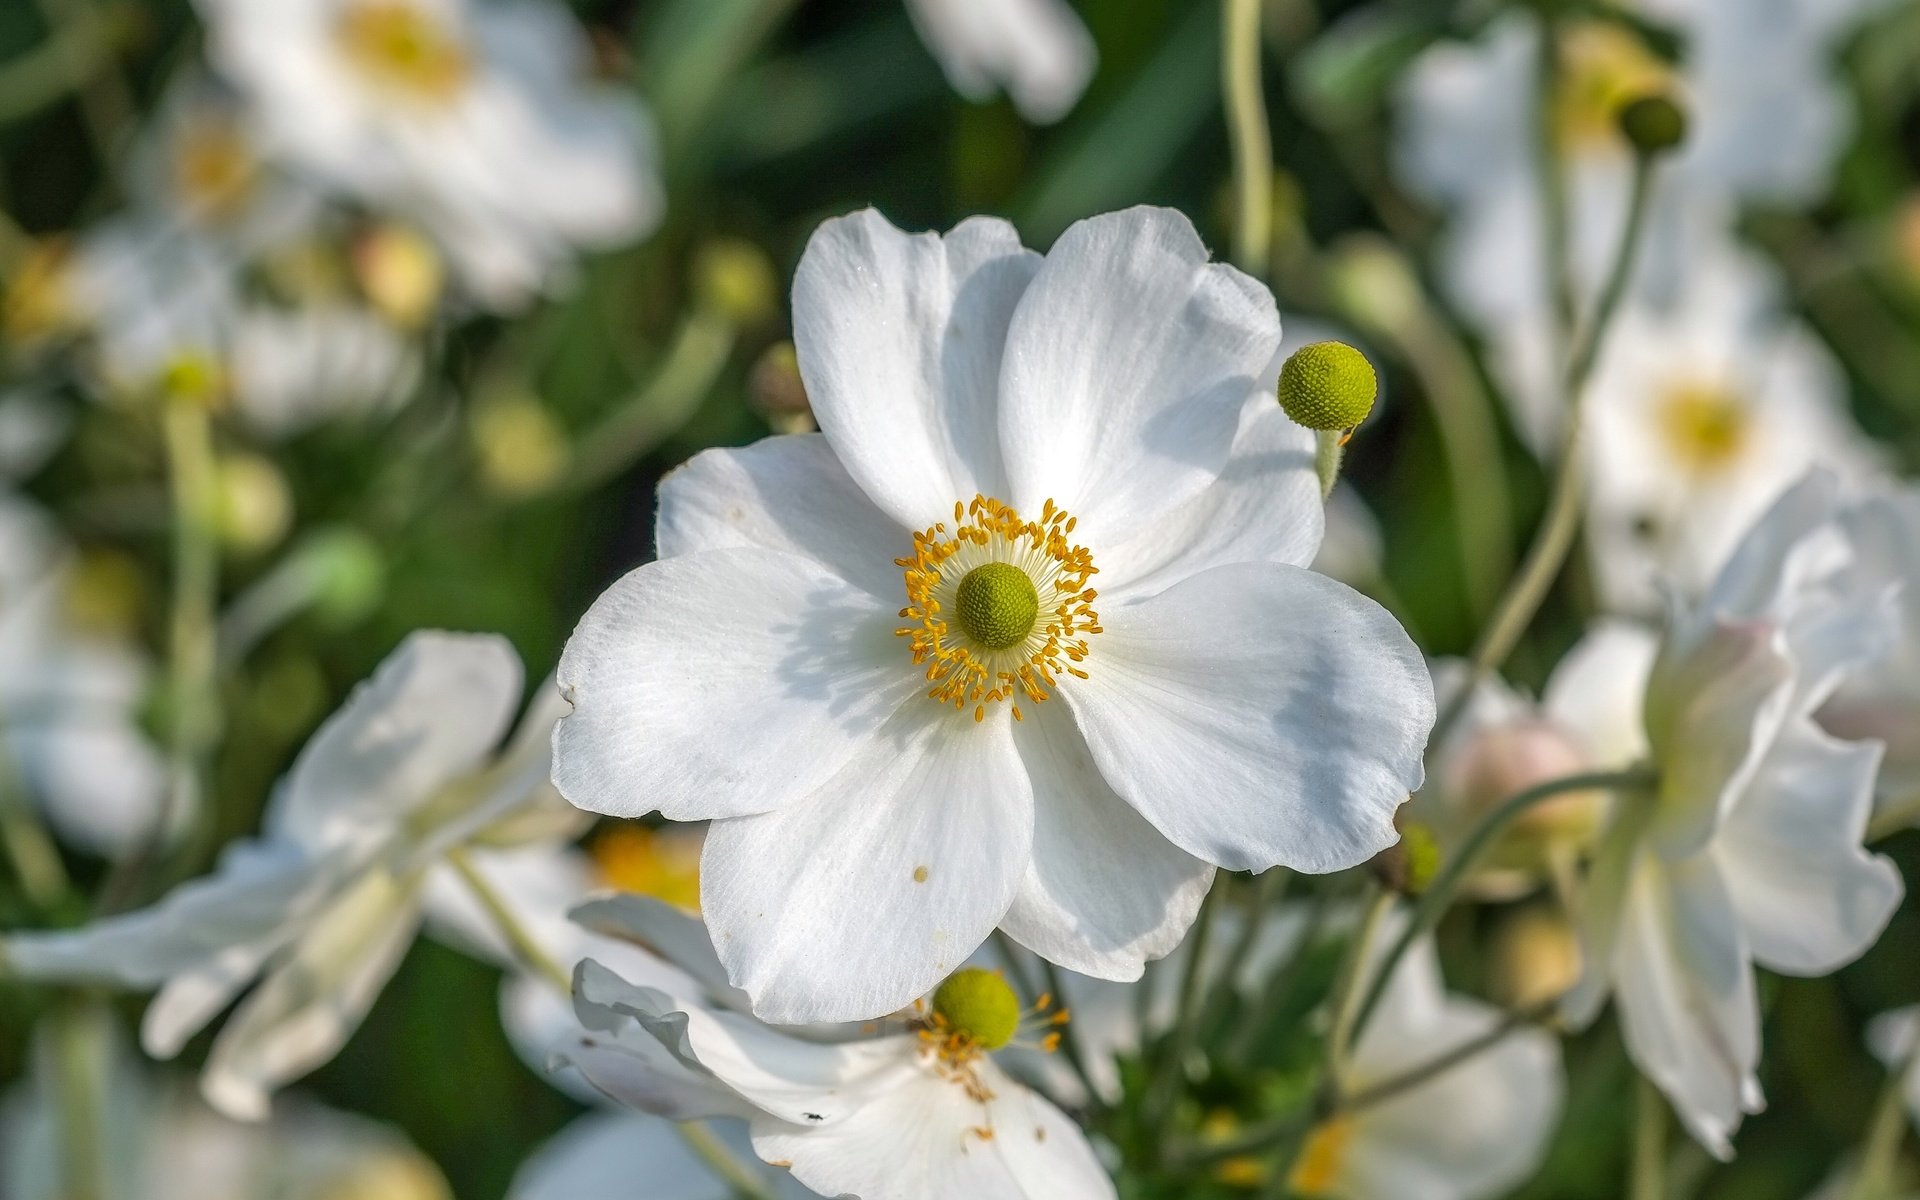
column 1328, row 386
column 1654, row 124
column 778, row 392
column 1536, row 957
column 401, row 273
column 1503, row 760
column 520, row 447
column 387, row 1177
column 104, row 594
column 1407, row 866
column 255, row 507
column 733, row 277
column 352, row 574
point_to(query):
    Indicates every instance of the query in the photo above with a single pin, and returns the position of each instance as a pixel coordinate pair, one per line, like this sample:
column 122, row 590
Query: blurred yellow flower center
column 1319, row 1169
column 1603, row 67
column 38, row 301
column 998, row 606
column 650, row 862
column 1706, row 427
column 214, row 168
column 400, row 47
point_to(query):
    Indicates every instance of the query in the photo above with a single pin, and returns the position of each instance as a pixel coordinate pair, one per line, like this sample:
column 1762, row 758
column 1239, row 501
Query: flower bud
column 520, row 447
column 401, row 273
column 254, row 507
column 392, row 1176
column 778, row 392
column 1653, row 124
column 1536, row 957
column 1328, row 386
column 732, row 277
column 352, row 574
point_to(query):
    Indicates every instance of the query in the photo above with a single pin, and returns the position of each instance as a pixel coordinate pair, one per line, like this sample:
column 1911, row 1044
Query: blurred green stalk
column 80, row 1057
column 1881, row 1153
column 1252, row 137
column 1649, row 1177
column 659, row 409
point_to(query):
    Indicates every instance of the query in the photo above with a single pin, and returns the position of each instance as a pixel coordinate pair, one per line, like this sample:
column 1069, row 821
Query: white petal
column 801, row 1082
column 855, row 901
column 1713, row 708
column 723, row 683
column 679, row 938
column 1258, row 714
column 1809, row 895
column 783, row 493
column 1598, row 690
column 628, row 1064
column 1686, row 995
column 1264, row 507
column 434, row 710
column 97, row 777
column 1105, row 891
column 1891, row 1036
column 1127, row 366
column 924, row 1141
column 311, row 1003
column 899, row 338
column 1037, row 48
column 601, row 1155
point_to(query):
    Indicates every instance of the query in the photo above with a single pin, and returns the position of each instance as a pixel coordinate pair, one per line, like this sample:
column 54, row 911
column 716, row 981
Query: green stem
column 1649, row 1168
column 527, row 948
column 1551, row 161
column 1165, row 1084
column 35, row 857
column 1330, row 450
column 1562, row 522
column 1447, row 1060
column 106, row 102
column 1279, row 989
column 80, row 1056
column 1076, row 1049
column 712, row 1151
column 193, row 698
column 1880, row 1154
column 658, row 410
column 1252, row 137
column 1440, row 893
column 1347, row 1009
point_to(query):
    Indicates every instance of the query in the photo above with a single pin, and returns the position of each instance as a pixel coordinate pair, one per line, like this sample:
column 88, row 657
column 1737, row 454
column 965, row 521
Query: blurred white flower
column 1473, row 1131
column 32, row 427
column 471, row 117
column 1036, row 49
column 320, row 909
column 599, row 1156
column 291, row 369
column 154, row 301
column 71, row 685
column 1749, row 848
column 915, row 1109
column 161, row 1143
column 1700, row 413
column 1881, row 698
column 1891, row 1037
column 1767, row 122
column 1070, row 775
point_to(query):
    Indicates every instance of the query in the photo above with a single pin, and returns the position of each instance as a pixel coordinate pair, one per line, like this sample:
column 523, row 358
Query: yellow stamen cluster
column 967, row 672
column 399, row 46
column 662, row 863
column 1706, row 426
column 976, row 1012
column 215, row 171
column 1323, row 1158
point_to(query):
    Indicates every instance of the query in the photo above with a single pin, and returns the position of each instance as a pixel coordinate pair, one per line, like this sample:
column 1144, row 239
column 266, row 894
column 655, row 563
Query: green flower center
column 979, row 1006
column 996, row 605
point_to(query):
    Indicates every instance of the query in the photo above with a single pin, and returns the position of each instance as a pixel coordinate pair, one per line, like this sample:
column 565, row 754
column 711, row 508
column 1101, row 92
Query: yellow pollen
column 37, row 303
column 1706, row 427
column 974, row 1013
column 1319, row 1169
column 214, row 168
column 400, row 47
column 1603, row 67
column 664, row 864
column 1021, row 610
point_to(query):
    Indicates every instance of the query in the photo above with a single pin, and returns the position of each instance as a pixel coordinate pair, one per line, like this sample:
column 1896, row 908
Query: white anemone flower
column 316, row 914
column 1767, row 122
column 1036, row 49
column 1881, row 699
column 71, row 686
column 1748, row 849
column 873, row 655
column 470, row 117
column 1474, row 1131
column 915, row 1109
column 152, row 299
column 290, row 369
column 1700, row 413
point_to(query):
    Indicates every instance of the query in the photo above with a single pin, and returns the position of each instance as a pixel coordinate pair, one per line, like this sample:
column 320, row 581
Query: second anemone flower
column 1024, row 637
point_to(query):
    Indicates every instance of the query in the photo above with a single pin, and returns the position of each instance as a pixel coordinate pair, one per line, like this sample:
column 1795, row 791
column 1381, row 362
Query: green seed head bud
column 1328, row 386
column 979, row 1005
column 1654, row 124
column 996, row 605
column 734, row 277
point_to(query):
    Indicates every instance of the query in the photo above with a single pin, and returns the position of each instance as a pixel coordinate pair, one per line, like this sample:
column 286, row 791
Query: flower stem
column 1070, row 1040
column 36, row 859
column 1555, row 539
column 1440, row 894
column 1165, row 1084
column 527, row 948
column 712, row 1151
column 1880, row 1154
column 193, row 699
column 80, row 1058
column 1649, row 1177
column 1347, row 991
column 1252, row 136
column 659, row 409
